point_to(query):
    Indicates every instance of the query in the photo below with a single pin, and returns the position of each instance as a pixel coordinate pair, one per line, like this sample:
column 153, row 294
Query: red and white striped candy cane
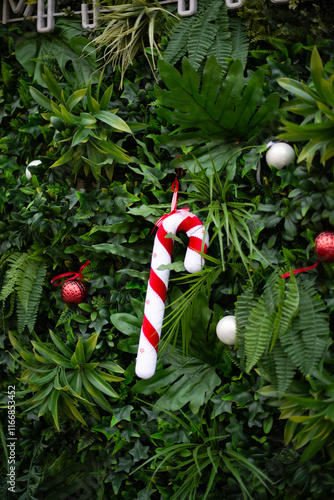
column 178, row 220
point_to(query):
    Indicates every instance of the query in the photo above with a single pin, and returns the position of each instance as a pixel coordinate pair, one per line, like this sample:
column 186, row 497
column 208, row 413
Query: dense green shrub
column 203, row 426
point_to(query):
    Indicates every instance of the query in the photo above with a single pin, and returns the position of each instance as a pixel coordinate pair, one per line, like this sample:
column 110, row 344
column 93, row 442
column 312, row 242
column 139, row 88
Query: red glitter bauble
column 73, row 292
column 324, row 246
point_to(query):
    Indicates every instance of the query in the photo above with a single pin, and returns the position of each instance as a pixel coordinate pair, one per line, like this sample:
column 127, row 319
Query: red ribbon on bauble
column 323, row 249
column 73, row 291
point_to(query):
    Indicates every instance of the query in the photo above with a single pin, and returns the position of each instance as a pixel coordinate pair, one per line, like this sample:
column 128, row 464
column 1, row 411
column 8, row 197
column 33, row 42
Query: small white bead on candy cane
column 154, row 310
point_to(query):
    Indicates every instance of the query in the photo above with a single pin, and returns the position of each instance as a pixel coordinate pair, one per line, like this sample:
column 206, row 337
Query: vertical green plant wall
column 204, row 94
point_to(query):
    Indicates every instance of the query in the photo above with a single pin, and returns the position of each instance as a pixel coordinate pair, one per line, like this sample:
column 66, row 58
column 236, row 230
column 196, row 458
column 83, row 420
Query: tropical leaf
column 187, row 379
column 216, row 112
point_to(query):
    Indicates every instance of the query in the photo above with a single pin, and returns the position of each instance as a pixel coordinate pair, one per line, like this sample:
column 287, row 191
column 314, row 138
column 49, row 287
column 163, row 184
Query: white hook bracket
column 87, row 14
column 234, row 4
column 50, row 16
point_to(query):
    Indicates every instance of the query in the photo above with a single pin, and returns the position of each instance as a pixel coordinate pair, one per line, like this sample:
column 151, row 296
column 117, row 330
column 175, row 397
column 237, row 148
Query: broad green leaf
column 63, row 159
column 113, row 120
column 63, row 348
column 80, row 136
column 187, row 379
column 126, row 323
column 90, row 345
column 233, row 110
column 76, row 97
column 92, row 103
column 141, row 256
column 52, row 85
column 53, row 407
column 80, row 352
column 97, row 381
column 40, row 98
column 105, row 100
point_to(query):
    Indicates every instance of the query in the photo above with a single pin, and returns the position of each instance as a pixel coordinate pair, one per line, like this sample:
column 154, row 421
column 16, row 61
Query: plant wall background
column 250, row 421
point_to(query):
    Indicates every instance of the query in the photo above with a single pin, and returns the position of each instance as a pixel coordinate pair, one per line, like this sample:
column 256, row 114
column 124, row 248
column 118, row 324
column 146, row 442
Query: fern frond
column 26, row 275
column 35, row 297
column 243, row 307
column 273, row 292
column 288, row 309
column 21, row 316
column 239, row 269
column 222, row 44
column 285, row 369
column 282, row 300
column 313, row 322
column 289, row 257
column 177, row 45
column 203, row 34
column 16, row 261
column 307, row 340
column 66, row 316
column 86, row 440
column 240, row 41
column 11, row 307
column 231, row 358
column 257, row 334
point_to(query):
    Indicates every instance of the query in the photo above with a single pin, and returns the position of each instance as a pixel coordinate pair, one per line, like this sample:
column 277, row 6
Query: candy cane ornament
column 154, row 310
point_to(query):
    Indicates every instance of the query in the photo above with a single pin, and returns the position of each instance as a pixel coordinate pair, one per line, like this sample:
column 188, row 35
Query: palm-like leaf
column 315, row 104
column 233, row 110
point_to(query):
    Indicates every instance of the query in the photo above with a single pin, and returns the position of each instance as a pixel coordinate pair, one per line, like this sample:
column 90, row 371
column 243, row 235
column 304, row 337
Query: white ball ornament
column 33, row 163
column 226, row 330
column 280, row 155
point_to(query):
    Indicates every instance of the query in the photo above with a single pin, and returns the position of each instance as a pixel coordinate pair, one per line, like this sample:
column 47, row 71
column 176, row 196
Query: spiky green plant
column 60, row 381
column 84, row 133
column 316, row 103
column 199, row 463
column 308, row 408
column 128, row 28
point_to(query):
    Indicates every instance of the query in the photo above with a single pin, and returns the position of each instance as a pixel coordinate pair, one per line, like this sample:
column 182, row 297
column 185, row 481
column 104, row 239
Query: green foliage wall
column 211, row 423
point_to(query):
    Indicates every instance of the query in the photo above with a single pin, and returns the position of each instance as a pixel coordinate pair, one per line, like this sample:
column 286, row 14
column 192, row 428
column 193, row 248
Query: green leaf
column 140, row 256
column 105, row 100
column 80, row 136
column 63, row 348
column 40, row 99
column 97, row 381
column 76, row 97
column 187, row 379
column 63, row 159
column 80, row 352
column 113, row 120
column 90, row 345
column 233, row 110
column 257, row 334
column 126, row 323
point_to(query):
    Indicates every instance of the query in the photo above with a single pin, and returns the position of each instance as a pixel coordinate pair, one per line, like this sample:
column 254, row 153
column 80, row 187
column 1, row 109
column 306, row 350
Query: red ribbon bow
column 175, row 190
column 74, row 276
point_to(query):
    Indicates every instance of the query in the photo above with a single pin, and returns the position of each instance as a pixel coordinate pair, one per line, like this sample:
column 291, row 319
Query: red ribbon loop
column 173, row 208
column 73, row 276
column 300, row 270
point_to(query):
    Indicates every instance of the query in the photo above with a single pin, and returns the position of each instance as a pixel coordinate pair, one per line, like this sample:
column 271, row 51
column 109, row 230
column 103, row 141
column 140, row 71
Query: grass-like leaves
column 60, row 381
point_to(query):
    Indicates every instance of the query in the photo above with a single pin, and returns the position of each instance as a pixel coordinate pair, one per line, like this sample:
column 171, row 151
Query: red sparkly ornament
column 73, row 292
column 324, row 246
